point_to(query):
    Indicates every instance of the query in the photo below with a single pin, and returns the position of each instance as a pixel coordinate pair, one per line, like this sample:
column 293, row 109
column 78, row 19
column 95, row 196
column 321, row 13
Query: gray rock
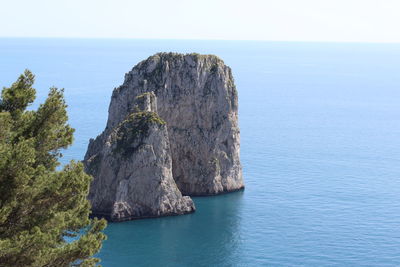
column 132, row 168
column 172, row 124
column 197, row 97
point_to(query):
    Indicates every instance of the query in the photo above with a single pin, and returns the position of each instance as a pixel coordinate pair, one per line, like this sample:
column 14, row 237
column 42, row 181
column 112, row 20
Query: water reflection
column 210, row 236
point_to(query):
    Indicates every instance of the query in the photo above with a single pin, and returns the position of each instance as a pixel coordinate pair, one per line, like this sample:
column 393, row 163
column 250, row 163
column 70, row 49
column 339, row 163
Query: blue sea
column 320, row 148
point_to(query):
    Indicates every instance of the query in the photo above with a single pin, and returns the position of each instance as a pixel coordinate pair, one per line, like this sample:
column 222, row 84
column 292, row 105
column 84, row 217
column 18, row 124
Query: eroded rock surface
column 172, row 124
column 132, row 168
column 197, row 98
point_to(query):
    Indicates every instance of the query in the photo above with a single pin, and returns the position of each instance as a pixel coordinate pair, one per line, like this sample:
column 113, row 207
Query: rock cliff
column 190, row 104
column 132, row 168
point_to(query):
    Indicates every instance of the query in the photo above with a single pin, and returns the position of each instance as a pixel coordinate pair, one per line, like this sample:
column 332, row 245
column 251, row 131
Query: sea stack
column 172, row 129
column 132, row 168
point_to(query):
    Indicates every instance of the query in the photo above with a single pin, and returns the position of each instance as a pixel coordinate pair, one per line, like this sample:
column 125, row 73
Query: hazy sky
column 281, row 20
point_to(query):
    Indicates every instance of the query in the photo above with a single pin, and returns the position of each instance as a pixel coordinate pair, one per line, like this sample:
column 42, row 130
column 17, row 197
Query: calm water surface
column 320, row 132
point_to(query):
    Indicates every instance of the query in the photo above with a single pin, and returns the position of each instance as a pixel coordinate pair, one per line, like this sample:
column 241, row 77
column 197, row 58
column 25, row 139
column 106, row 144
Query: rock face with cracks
column 132, row 168
column 172, row 129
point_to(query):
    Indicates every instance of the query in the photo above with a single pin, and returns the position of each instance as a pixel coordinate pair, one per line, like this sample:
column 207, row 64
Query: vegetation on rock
column 133, row 129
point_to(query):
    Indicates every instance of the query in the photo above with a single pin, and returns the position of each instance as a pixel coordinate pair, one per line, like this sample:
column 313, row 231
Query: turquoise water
column 320, row 131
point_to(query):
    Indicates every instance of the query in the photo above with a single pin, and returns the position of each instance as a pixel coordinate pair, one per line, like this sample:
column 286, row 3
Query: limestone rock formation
column 197, row 98
column 190, row 141
column 132, row 168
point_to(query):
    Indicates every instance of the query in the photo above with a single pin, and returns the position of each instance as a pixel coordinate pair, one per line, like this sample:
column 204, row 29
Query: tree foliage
column 44, row 213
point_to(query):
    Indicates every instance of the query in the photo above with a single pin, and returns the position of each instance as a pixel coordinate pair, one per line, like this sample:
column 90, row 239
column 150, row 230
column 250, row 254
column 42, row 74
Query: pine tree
column 44, row 213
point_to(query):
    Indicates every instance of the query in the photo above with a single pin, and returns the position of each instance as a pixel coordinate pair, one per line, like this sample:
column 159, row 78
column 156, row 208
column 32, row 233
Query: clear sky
column 278, row 20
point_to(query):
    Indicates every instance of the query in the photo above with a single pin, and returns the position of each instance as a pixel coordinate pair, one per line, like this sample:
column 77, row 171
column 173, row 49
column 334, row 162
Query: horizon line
column 195, row 39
